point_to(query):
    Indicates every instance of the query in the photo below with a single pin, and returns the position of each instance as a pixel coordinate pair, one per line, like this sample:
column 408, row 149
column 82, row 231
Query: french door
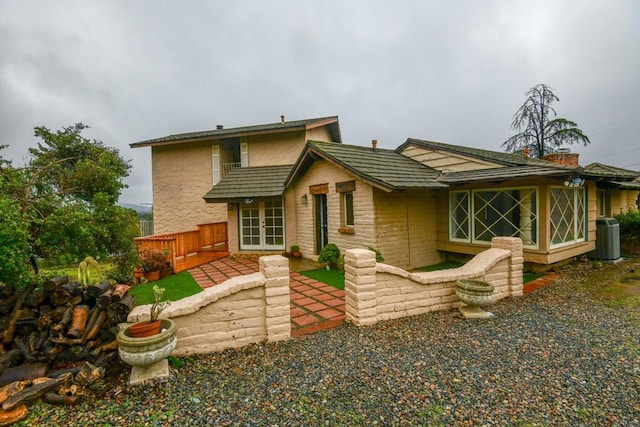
column 262, row 225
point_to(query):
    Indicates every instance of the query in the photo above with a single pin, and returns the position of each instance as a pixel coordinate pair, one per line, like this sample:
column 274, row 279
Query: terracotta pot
column 297, row 254
column 152, row 275
column 145, row 329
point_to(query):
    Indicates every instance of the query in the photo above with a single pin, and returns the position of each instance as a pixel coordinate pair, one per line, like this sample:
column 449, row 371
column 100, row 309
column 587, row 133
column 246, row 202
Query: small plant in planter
column 152, row 326
column 330, row 255
column 295, row 251
column 152, row 261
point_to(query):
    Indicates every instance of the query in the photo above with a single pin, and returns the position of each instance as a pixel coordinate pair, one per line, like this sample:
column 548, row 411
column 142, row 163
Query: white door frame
column 261, row 225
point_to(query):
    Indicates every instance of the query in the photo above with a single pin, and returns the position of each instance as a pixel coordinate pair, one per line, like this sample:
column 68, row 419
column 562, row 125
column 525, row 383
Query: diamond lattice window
column 568, row 215
column 480, row 215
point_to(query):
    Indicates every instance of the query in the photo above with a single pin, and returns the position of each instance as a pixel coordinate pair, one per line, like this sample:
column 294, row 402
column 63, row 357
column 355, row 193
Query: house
column 295, row 183
column 186, row 166
column 426, row 199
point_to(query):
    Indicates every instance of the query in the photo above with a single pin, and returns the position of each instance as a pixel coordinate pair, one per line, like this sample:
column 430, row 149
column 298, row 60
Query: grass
column 441, row 266
column 333, row 278
column 176, row 287
column 530, row 277
column 97, row 274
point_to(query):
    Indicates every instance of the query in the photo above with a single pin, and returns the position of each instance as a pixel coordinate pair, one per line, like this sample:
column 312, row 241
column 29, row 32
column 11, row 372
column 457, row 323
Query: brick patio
column 315, row 306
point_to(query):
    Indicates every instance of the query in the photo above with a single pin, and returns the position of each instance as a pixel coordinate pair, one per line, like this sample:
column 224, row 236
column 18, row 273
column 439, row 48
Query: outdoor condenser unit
column 607, row 239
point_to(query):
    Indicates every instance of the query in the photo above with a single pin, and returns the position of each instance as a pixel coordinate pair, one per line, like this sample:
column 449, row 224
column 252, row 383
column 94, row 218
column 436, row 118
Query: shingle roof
column 382, row 168
column 507, row 159
column 607, row 171
column 242, row 131
column 499, row 174
column 254, row 182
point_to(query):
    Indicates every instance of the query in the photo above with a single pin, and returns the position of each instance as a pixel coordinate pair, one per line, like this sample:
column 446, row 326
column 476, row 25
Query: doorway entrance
column 262, row 225
column 322, row 228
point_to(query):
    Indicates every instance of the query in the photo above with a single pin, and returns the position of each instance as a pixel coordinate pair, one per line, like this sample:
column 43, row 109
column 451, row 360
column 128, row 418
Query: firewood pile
column 57, row 340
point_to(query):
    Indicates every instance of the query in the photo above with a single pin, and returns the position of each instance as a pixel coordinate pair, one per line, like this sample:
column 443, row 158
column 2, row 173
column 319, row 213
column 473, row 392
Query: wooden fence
column 179, row 246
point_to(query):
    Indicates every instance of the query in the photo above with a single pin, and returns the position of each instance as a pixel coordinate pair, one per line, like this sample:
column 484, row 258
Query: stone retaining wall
column 376, row 292
column 243, row 310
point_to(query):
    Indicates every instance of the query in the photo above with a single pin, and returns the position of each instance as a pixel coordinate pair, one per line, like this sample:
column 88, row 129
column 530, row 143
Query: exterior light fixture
column 574, row 182
column 248, row 201
column 303, row 199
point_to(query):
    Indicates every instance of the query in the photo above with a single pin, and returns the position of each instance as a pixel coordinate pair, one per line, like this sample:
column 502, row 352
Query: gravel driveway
column 551, row 358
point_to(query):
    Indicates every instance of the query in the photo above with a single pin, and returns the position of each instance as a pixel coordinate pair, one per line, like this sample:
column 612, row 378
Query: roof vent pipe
column 219, row 127
column 282, row 118
column 374, row 144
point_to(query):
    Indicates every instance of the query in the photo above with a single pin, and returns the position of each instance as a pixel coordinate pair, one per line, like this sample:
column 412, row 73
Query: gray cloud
column 449, row 72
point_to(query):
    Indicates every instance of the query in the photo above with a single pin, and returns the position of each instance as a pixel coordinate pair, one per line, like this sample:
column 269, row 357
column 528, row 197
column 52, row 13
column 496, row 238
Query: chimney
column 374, row 144
column 563, row 156
column 219, row 127
column 282, row 118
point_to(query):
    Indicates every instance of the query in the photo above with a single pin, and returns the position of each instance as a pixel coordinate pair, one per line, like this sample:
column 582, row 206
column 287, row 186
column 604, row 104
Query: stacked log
column 45, row 330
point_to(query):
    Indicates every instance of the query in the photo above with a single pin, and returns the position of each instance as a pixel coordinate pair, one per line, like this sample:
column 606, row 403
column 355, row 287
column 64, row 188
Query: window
column 459, row 218
column 479, row 215
column 567, row 216
column 603, row 202
column 215, row 163
column 347, row 201
column 347, row 217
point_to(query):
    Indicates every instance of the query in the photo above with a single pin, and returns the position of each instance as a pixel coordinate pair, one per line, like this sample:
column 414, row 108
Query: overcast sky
column 453, row 72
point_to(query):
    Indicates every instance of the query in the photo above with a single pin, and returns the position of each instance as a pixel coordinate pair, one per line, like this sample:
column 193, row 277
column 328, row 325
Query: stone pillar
column 275, row 269
column 516, row 261
column 360, row 286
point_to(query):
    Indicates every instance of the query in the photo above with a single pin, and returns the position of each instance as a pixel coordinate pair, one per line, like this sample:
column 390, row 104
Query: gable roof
column 505, row 159
column 290, row 126
column 602, row 170
column 382, row 168
column 254, row 182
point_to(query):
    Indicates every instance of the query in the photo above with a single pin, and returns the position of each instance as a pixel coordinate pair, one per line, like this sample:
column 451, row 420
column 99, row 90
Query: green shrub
column 14, row 251
column 379, row 257
column 629, row 224
column 123, row 264
column 330, row 255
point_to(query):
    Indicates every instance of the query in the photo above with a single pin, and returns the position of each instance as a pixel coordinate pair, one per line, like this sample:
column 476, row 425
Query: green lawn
column 176, row 287
column 334, row 278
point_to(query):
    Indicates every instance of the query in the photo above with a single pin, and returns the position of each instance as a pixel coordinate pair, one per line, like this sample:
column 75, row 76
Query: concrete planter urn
column 148, row 355
column 475, row 294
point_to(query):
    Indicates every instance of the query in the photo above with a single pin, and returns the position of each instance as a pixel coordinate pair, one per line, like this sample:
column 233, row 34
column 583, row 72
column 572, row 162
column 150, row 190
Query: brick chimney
column 282, row 118
column 563, row 156
column 374, row 144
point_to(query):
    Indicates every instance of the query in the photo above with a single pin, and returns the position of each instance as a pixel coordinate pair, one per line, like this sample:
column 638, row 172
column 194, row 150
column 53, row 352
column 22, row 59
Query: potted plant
column 151, row 326
column 295, row 251
column 151, row 261
column 329, row 255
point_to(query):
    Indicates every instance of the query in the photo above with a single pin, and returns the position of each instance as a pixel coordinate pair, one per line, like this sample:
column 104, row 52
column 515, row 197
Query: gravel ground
column 554, row 357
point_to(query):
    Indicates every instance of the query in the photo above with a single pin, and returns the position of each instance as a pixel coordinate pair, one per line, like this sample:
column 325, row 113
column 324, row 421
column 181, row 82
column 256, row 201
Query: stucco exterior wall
column 322, row 172
column 275, row 149
column 406, row 228
column 623, row 201
column 243, row 310
column 177, row 191
column 319, row 134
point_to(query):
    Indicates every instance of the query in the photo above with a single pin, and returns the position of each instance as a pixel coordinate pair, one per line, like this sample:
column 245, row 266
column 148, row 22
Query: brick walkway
column 315, row 306
column 545, row 280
